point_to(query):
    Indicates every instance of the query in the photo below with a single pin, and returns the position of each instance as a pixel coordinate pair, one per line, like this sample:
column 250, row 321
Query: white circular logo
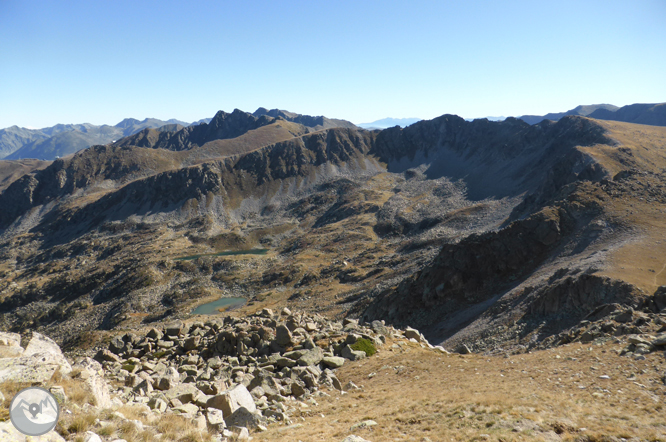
column 34, row 411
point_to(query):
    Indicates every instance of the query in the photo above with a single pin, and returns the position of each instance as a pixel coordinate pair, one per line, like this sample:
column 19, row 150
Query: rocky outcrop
column 578, row 295
column 37, row 363
column 476, row 268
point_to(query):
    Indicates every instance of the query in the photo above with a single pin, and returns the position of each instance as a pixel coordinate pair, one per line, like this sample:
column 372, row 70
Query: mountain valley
column 494, row 239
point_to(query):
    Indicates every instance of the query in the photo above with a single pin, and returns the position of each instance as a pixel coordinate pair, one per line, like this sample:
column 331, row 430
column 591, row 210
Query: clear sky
column 101, row 61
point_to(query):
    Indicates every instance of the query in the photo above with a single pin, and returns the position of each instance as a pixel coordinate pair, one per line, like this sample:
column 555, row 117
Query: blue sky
column 102, row 61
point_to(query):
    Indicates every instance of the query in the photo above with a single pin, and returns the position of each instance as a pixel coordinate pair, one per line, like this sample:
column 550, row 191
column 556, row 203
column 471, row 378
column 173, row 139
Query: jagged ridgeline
column 452, row 226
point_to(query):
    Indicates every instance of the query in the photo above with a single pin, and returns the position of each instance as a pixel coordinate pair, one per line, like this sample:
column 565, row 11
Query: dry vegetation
column 552, row 395
column 132, row 423
column 638, row 206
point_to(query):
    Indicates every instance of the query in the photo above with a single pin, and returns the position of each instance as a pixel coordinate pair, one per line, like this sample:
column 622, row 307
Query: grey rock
column 175, row 328
column 311, row 357
column 352, row 355
column 191, row 343
column 463, row 349
column 412, row 333
column 188, row 409
column 106, row 356
column 157, row 404
column 297, row 389
column 117, row 345
column 185, row 393
column 95, row 383
column 231, row 400
column 243, row 417
column 215, row 419
column 364, row 424
column 155, row 334
column 59, row 393
column 40, row 360
column 333, row 361
column 10, row 345
column 285, row 362
column 625, row 316
column 295, row 354
column 283, row 336
column 659, row 340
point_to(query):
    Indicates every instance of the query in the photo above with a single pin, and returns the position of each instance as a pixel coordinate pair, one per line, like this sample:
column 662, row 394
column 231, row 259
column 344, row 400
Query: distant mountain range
column 63, row 139
column 389, row 122
column 653, row 114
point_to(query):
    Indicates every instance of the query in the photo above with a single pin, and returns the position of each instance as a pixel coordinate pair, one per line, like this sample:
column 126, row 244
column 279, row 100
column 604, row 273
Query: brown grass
column 179, row 429
column 524, row 397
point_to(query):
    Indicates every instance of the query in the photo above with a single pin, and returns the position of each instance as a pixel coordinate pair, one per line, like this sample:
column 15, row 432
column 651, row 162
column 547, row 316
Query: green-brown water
column 227, row 253
column 212, row 308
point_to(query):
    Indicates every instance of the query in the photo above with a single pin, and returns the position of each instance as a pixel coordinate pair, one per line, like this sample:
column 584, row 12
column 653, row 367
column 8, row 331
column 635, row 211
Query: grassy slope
column 641, row 261
column 547, row 395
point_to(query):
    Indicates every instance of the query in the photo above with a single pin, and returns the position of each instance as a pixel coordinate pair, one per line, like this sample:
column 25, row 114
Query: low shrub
column 364, row 345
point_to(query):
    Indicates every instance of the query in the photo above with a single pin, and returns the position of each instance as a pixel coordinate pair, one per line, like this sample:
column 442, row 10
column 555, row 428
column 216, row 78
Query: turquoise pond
column 211, row 308
column 227, row 253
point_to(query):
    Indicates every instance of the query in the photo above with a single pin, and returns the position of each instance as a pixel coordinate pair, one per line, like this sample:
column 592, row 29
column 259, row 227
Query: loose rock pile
column 239, row 374
column 229, row 375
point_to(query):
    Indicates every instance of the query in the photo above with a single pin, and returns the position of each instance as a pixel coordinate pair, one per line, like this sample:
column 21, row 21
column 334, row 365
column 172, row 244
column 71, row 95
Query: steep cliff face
column 87, row 168
column 494, row 159
column 232, row 180
column 476, row 269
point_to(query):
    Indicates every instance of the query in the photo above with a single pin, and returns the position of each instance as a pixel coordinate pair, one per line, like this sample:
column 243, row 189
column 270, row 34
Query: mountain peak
column 127, row 122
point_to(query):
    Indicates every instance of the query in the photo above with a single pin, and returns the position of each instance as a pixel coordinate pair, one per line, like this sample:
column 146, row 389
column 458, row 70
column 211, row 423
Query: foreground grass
column 414, row 394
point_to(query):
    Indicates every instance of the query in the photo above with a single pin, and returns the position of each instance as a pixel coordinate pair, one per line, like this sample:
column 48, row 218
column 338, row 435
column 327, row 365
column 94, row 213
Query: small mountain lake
column 212, row 308
column 226, row 253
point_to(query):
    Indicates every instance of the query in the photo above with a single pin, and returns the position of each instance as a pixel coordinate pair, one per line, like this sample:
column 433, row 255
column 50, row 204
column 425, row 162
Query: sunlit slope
column 640, row 160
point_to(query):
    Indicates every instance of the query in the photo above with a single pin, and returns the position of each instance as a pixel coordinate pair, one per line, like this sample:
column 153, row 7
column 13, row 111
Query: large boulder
column 40, row 360
column 283, row 336
column 352, row 355
column 233, row 399
column 311, row 357
column 333, row 361
column 245, row 418
column 92, row 372
column 185, row 393
column 42, row 345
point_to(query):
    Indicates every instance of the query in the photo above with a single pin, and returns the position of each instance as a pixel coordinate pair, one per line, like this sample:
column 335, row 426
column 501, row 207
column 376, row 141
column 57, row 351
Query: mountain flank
column 650, row 114
column 354, row 222
column 472, row 260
